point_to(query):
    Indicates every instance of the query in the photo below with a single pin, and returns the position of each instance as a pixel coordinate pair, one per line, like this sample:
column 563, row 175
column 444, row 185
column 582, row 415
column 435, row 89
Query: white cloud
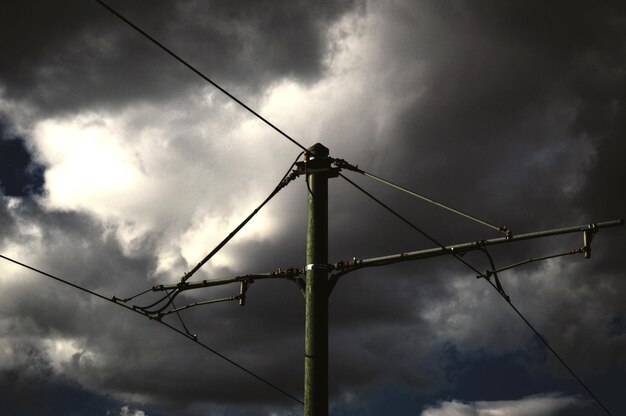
column 153, row 170
column 126, row 411
column 183, row 170
column 540, row 405
column 63, row 352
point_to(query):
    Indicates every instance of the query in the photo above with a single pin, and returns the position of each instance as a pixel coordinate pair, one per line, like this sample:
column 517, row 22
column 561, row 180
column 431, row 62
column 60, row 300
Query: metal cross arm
column 288, row 274
column 159, row 308
column 588, row 231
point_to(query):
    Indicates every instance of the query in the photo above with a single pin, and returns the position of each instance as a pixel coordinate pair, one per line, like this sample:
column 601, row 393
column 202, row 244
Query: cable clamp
column 508, row 234
column 312, row 266
column 244, row 285
column 342, row 164
column 588, row 234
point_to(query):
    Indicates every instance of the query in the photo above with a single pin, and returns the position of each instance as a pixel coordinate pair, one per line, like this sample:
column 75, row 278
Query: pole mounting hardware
column 243, row 288
column 587, row 237
column 325, row 267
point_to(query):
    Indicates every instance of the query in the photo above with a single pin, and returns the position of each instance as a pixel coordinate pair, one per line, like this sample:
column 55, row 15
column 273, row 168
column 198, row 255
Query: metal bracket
column 313, row 166
column 587, row 237
column 325, row 267
column 243, row 288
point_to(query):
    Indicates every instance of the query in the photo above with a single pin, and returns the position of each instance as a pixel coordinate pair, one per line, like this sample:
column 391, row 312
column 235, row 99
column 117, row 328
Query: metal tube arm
column 288, row 274
column 466, row 247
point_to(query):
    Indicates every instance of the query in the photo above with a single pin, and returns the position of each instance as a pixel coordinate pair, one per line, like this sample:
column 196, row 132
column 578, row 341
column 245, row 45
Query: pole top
column 319, row 150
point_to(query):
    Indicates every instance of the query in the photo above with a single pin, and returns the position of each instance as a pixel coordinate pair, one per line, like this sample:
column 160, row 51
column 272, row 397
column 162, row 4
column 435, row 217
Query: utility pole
column 318, row 170
column 317, row 288
column 322, row 276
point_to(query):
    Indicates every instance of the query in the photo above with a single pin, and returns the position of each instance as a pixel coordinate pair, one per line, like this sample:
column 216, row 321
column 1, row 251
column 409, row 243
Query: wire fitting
column 587, row 237
column 243, row 289
column 312, row 266
column 291, row 176
column 288, row 272
column 507, row 233
column 342, row 164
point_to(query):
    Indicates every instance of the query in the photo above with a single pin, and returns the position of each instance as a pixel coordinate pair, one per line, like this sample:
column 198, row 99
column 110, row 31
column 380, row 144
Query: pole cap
column 318, row 150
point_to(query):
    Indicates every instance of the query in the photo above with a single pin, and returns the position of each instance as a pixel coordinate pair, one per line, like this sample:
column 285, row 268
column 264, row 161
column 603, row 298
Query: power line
column 498, row 289
column 180, row 318
column 534, row 259
column 409, row 223
column 288, row 177
column 200, row 74
column 194, row 338
column 543, row 340
column 496, row 286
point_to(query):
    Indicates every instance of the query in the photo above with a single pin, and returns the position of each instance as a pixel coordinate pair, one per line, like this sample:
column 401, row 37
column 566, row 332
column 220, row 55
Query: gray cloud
column 534, row 405
column 518, row 119
column 76, row 55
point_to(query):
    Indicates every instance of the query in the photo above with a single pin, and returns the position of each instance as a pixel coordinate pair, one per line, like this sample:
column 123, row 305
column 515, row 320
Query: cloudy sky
column 121, row 169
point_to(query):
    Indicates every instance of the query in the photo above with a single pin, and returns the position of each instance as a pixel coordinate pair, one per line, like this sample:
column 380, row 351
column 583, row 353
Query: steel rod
column 466, row 247
column 501, row 229
column 212, row 282
column 205, row 302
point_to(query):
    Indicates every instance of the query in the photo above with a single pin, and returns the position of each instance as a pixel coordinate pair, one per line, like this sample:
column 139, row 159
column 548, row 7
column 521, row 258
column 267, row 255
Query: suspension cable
column 345, row 165
column 410, row 224
column 194, row 338
column 504, row 296
column 497, row 286
column 205, row 302
column 288, row 177
column 200, row 74
column 180, row 318
column 534, row 259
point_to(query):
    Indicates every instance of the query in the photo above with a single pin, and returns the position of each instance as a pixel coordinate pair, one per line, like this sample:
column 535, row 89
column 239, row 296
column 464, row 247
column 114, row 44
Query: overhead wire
column 201, row 75
column 289, row 175
column 205, row 302
column 496, row 285
column 180, row 318
column 541, row 338
column 194, row 338
column 143, row 292
column 409, row 223
column 535, row 259
column 169, row 296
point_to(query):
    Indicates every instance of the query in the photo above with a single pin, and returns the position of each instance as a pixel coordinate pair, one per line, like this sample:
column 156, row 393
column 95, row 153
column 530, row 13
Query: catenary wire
column 201, row 75
column 188, row 336
column 143, row 292
column 541, row 338
column 170, row 300
column 166, row 296
column 180, row 318
column 205, row 302
column 498, row 289
column 534, row 259
column 283, row 182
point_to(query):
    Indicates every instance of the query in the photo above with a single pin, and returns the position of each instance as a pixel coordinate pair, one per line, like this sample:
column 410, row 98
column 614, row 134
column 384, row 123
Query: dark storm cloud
column 55, row 395
column 521, row 122
column 503, row 83
column 76, row 55
column 116, row 352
